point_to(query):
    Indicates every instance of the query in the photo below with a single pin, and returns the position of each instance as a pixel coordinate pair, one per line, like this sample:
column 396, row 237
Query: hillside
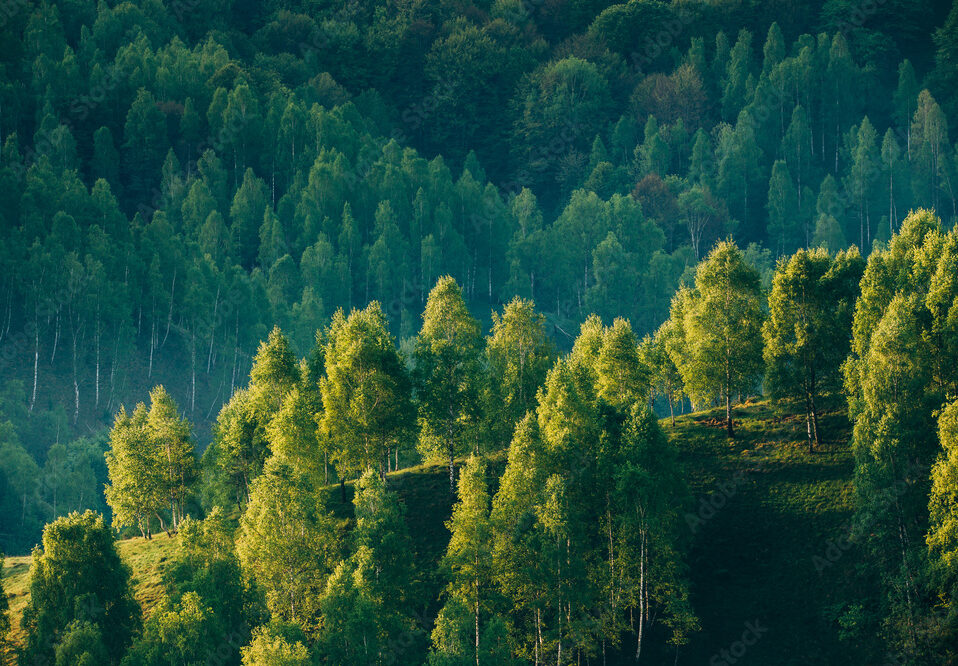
column 752, row 559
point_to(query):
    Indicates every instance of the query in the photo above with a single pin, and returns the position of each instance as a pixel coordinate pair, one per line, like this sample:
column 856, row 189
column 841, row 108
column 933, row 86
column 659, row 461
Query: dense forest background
column 177, row 179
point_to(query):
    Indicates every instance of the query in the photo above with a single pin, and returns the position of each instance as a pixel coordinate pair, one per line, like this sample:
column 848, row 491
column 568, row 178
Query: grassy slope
column 751, row 560
column 145, row 558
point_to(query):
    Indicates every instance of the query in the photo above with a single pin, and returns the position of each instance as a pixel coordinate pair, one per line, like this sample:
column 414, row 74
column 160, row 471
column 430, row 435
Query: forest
column 425, row 331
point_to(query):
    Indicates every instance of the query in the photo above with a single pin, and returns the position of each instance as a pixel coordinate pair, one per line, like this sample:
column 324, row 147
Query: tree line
column 577, row 546
column 175, row 183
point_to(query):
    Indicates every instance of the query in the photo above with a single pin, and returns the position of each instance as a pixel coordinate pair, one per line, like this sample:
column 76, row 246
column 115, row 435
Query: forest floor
column 768, row 584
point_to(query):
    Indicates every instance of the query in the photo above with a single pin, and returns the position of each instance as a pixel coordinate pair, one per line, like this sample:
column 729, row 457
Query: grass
column 145, row 558
column 751, row 559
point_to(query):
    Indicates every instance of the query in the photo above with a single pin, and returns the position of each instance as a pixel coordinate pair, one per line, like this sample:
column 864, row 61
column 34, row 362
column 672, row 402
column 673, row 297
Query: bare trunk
column 96, row 377
column 728, row 414
column 452, row 471
column 36, row 356
column 169, row 316
column 818, row 441
column 56, row 337
column 192, row 371
column 152, row 344
column 209, row 358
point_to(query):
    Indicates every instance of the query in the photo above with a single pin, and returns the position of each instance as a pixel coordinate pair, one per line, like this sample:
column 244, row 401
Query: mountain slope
column 767, row 520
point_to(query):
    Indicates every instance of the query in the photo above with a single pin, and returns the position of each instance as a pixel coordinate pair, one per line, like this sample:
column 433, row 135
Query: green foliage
column 81, row 645
column 469, row 562
column 365, row 393
column 807, row 332
column 273, row 649
column 175, row 633
column 150, row 463
column 286, row 541
column 448, row 376
column 718, row 348
column 519, row 353
column 176, row 184
column 77, row 577
column 899, row 376
column 591, row 484
column 367, row 601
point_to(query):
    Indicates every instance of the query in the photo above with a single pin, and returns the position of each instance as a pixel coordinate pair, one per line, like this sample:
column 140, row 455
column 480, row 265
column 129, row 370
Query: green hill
column 754, row 556
column 764, row 509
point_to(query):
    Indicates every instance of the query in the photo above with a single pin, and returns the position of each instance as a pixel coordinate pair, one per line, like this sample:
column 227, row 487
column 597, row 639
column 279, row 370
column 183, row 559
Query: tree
column 891, row 155
column 782, row 208
column 4, row 618
column 368, row 411
column 239, row 446
column 77, row 575
column 383, row 537
column 721, row 319
column 665, row 378
column 368, row 597
column 468, row 556
column 135, row 491
column 810, row 317
column 447, row 374
column 176, row 632
column 271, row 648
column 144, row 144
column 735, row 94
column 171, row 435
column 294, row 433
column 349, row 632
column 205, row 564
column 240, row 440
column 587, row 530
column 249, row 206
column 862, row 179
column 900, row 374
column 905, row 98
column 81, row 645
column 943, row 502
column 622, row 378
column 150, row 464
column 565, row 106
column 286, row 541
column 519, row 353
